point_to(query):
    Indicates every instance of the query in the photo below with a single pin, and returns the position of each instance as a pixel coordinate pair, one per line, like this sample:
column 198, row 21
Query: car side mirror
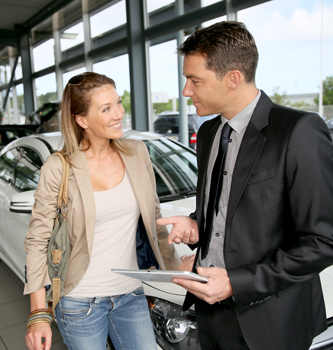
column 22, row 202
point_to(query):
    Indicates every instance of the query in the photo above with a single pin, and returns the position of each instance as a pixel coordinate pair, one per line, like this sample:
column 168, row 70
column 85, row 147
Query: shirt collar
column 240, row 121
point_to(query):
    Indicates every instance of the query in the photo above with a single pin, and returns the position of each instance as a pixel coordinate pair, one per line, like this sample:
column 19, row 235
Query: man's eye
column 120, row 102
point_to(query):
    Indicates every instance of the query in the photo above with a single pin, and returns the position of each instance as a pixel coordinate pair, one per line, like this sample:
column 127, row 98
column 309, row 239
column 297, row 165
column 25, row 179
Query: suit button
column 211, row 265
column 217, row 234
column 225, row 173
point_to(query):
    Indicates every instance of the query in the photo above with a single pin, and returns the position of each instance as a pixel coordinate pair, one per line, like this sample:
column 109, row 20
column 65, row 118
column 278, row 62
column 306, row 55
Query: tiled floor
column 14, row 312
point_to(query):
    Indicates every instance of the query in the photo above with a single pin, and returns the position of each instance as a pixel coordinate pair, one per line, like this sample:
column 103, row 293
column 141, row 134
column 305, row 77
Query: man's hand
column 216, row 289
column 184, row 230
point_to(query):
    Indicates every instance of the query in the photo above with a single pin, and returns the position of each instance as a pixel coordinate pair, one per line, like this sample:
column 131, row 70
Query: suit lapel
column 203, row 156
column 249, row 152
column 82, row 176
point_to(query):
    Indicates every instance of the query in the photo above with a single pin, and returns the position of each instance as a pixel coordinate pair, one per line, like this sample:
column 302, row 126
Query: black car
column 46, row 117
column 167, row 123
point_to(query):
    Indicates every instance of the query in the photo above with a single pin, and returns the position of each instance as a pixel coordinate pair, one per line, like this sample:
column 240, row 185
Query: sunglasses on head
column 76, row 80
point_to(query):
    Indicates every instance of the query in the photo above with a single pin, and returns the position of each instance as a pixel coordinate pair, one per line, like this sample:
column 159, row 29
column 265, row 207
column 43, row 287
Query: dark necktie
column 216, row 186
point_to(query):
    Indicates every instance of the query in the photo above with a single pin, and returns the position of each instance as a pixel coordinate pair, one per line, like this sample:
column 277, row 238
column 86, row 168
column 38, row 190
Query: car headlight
column 174, row 328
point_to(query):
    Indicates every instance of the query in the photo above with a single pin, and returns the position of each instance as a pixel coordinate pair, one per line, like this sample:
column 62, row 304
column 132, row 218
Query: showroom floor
column 14, row 312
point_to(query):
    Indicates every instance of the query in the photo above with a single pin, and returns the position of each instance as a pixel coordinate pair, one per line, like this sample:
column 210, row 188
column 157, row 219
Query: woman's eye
column 106, row 109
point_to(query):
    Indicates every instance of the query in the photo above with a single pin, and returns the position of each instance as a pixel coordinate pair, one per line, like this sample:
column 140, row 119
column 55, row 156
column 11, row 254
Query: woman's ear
column 81, row 121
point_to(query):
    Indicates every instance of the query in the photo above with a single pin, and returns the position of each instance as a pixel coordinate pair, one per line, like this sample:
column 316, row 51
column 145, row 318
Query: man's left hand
column 216, row 289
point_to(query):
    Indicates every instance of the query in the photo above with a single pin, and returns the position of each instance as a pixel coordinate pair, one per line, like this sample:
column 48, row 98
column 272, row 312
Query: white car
column 175, row 169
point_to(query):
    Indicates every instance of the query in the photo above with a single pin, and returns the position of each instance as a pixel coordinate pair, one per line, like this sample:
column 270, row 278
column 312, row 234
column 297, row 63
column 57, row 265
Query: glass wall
column 46, row 89
column 288, row 38
column 43, row 55
column 164, row 77
column 20, row 102
column 100, row 22
column 72, row 36
column 287, row 34
column 117, row 68
column 153, row 5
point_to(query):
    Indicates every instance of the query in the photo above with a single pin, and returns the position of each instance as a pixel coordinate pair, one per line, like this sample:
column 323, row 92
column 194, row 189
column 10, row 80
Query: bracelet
column 40, row 316
column 37, row 321
column 41, row 310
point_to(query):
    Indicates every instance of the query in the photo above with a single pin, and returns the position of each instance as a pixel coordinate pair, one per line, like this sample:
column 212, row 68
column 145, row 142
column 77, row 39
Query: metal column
column 183, row 117
column 13, row 60
column 138, row 62
column 57, row 55
column 231, row 11
column 27, row 74
column 87, row 35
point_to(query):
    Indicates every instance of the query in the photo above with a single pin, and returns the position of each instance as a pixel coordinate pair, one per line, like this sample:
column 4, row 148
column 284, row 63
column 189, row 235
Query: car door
column 16, row 224
column 8, row 162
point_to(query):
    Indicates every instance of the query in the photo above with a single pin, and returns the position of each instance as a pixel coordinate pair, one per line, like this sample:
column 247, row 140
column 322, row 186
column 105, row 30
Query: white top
column 114, row 244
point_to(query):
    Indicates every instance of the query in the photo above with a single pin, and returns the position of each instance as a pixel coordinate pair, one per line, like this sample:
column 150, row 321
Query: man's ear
column 234, row 79
column 81, row 121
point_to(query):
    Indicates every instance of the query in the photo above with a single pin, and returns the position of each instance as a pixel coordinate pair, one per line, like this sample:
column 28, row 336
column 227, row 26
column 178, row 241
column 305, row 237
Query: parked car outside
column 167, row 123
column 176, row 176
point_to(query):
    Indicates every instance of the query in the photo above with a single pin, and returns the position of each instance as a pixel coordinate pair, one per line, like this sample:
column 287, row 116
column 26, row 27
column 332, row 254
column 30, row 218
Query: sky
column 287, row 33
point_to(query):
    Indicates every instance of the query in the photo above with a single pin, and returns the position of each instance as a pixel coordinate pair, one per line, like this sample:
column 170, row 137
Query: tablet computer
column 160, row 276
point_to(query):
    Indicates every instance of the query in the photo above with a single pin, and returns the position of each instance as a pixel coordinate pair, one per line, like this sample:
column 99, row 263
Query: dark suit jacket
column 279, row 226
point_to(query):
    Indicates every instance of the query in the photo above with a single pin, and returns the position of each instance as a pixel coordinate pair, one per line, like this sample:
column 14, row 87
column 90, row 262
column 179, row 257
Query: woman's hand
column 187, row 263
column 34, row 336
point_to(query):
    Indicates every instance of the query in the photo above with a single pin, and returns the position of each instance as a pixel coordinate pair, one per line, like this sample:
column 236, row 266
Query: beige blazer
column 81, row 216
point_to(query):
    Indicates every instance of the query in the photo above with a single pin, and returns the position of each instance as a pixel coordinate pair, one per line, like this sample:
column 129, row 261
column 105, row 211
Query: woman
column 111, row 191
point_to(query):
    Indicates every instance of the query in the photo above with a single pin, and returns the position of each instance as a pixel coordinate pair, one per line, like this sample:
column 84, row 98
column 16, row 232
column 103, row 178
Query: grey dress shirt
column 239, row 122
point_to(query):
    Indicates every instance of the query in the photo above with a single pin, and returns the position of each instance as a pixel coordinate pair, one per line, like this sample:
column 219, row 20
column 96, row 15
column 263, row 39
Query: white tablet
column 160, row 276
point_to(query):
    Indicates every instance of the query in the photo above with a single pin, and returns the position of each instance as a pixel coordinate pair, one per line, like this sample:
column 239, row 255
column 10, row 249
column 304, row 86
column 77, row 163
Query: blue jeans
column 86, row 322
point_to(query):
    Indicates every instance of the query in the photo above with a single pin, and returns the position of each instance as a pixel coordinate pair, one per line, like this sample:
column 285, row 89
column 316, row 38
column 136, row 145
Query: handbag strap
column 63, row 192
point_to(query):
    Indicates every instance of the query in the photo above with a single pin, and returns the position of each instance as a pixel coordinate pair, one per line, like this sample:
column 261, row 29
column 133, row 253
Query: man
column 263, row 237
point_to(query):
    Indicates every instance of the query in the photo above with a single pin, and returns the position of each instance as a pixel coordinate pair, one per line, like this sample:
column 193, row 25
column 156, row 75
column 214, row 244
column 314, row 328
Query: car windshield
column 175, row 169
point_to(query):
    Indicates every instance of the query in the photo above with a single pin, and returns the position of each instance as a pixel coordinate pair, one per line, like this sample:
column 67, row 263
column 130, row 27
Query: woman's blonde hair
column 76, row 100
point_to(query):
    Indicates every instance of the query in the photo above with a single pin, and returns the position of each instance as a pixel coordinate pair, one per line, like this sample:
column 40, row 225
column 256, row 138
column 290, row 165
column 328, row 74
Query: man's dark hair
column 226, row 46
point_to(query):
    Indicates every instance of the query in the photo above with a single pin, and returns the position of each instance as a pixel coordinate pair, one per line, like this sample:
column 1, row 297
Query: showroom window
column 101, row 23
column 72, row 36
column 46, row 89
column 164, row 77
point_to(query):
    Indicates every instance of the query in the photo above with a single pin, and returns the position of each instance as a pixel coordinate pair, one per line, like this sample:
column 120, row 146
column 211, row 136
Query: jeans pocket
column 139, row 292
column 71, row 308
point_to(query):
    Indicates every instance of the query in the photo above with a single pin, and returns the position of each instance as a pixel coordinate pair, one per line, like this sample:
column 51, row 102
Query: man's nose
column 187, row 92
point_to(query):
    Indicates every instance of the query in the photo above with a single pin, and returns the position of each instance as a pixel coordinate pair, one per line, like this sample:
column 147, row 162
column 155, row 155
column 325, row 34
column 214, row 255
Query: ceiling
column 17, row 17
column 19, row 11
